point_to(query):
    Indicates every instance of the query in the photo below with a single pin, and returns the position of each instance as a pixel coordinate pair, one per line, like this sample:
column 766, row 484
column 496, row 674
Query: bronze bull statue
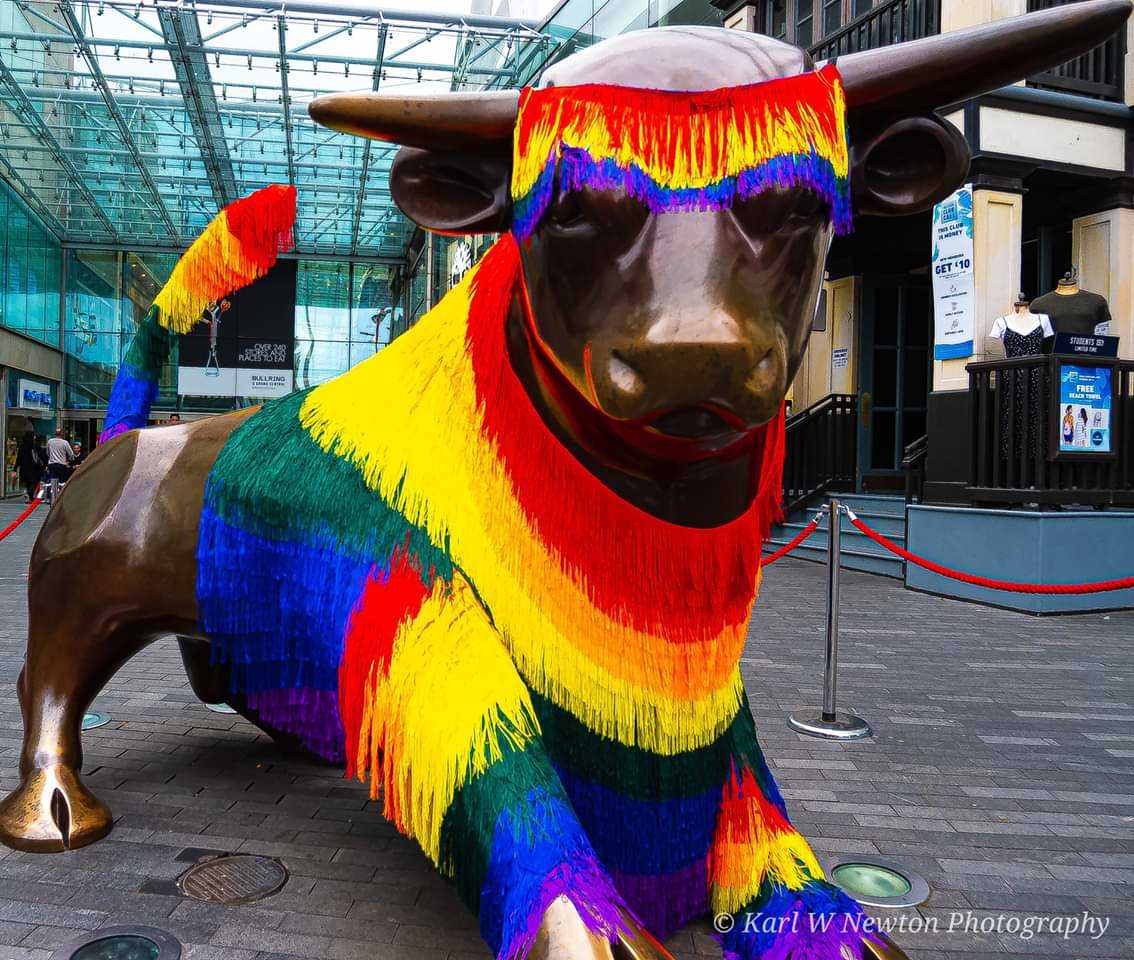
column 505, row 567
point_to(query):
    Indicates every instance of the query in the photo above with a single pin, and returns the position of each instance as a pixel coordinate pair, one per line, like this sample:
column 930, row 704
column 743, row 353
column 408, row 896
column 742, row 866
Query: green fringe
column 272, row 480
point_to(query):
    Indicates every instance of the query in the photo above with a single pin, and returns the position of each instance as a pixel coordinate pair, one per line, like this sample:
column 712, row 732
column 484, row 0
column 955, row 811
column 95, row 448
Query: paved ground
column 1001, row 770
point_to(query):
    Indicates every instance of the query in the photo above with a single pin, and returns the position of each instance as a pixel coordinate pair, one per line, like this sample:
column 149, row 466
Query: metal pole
column 829, row 724
column 834, row 560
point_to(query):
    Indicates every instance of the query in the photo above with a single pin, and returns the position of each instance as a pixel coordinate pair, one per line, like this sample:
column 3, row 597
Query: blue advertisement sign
column 1084, row 409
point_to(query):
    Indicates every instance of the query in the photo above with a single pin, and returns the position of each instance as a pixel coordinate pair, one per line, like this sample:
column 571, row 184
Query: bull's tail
column 240, row 245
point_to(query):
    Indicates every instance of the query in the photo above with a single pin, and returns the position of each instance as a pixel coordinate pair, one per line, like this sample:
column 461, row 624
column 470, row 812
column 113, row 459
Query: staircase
column 886, row 514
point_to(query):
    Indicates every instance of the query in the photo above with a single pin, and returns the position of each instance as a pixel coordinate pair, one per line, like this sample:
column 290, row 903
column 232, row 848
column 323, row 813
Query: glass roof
column 130, row 124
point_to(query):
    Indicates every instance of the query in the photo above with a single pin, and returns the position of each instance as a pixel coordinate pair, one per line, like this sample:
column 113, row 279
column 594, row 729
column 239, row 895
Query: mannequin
column 1073, row 310
column 1023, row 333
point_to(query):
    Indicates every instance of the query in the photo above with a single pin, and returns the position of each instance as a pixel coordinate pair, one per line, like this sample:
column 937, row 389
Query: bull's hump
column 681, row 58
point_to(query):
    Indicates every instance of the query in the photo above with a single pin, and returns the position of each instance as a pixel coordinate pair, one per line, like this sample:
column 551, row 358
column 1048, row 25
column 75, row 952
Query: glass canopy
column 129, row 124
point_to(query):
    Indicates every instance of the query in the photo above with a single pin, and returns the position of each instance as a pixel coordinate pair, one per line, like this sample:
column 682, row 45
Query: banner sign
column 1096, row 346
column 244, row 346
column 952, row 266
column 1084, row 408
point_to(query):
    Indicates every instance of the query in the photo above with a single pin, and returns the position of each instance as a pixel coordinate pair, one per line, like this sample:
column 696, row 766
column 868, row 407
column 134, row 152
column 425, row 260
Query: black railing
column 821, row 449
column 913, row 463
column 894, row 21
column 1097, row 73
column 1011, row 401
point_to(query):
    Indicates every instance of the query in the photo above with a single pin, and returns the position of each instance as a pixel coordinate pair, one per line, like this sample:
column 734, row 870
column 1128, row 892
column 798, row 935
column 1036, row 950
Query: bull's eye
column 772, row 211
column 566, row 210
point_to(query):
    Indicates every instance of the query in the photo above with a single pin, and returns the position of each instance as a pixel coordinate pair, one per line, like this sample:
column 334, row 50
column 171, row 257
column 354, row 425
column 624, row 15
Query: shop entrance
column 893, row 375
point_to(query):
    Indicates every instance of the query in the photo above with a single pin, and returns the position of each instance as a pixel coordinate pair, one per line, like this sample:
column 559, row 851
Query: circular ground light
column 233, row 879
column 880, row 883
column 219, row 708
column 95, row 718
column 122, row 943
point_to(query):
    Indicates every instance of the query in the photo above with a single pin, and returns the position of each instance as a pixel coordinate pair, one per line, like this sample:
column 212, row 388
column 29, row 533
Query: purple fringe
column 312, row 715
column 668, row 902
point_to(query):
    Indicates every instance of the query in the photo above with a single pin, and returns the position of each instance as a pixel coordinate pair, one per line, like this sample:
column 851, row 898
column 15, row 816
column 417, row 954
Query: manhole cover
column 240, row 878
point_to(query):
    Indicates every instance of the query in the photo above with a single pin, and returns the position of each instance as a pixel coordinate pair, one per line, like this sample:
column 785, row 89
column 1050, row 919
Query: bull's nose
column 647, row 378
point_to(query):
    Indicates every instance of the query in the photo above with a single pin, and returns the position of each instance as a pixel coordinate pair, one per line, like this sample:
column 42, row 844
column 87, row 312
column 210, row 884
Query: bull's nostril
column 624, row 377
column 765, row 373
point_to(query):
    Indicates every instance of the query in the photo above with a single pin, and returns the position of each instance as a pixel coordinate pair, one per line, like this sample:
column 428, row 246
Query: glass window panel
column 832, row 16
column 372, row 309
column 882, row 441
column 886, row 315
column 804, row 22
column 317, row 361
column 913, row 426
column 915, row 385
column 859, row 7
column 885, row 377
column 777, row 19
column 322, row 301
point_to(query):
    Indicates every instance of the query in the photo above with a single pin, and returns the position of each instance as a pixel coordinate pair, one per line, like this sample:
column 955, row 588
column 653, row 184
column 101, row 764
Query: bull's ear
column 453, row 192
column 906, row 166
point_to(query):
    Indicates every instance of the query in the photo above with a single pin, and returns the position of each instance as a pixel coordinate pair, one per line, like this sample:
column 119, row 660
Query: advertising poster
column 1084, row 409
column 244, row 347
column 952, row 266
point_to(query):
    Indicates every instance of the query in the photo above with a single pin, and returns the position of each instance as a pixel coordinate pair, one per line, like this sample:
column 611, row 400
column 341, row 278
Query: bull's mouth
column 698, row 423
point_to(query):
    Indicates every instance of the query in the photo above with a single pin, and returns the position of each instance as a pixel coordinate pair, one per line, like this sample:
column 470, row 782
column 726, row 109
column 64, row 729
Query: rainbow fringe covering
column 541, row 678
column 683, row 151
column 240, row 245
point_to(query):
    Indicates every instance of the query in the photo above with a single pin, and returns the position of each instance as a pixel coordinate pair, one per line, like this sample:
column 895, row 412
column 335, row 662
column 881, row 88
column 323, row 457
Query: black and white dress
column 1023, row 335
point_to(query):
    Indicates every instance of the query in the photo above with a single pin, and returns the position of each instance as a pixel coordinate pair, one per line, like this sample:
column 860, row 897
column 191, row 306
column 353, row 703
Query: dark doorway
column 893, row 375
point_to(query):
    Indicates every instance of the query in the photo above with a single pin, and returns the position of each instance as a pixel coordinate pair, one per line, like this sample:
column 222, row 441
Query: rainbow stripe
column 683, row 151
column 538, row 678
column 238, row 246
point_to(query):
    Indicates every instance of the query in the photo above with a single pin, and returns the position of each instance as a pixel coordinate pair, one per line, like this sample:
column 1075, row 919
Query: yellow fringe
column 450, row 704
column 740, row 867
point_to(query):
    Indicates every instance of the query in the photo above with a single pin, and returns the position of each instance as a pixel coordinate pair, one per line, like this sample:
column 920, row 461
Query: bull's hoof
column 886, row 950
column 563, row 936
column 52, row 811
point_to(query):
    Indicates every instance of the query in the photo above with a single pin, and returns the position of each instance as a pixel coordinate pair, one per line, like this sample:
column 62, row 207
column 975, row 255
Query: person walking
column 30, row 464
column 59, row 459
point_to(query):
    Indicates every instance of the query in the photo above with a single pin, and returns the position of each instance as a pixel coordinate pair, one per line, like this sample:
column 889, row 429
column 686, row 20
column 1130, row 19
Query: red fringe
column 683, row 583
column 385, row 604
column 263, row 222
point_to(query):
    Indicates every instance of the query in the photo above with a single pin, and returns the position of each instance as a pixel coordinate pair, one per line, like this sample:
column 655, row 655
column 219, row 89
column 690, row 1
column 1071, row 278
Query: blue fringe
column 578, row 169
column 131, row 398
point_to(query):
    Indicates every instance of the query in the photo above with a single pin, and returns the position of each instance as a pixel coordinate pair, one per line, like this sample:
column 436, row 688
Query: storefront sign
column 952, row 266
column 1084, row 408
column 33, row 395
column 247, row 348
column 1096, row 346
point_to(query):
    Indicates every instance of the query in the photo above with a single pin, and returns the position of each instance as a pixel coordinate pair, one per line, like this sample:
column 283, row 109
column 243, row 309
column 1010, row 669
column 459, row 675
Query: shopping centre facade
column 125, row 126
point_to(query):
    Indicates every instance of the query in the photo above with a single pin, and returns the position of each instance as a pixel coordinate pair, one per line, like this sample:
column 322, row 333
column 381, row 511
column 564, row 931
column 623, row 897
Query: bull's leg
column 68, row 663
column 767, row 890
column 466, row 774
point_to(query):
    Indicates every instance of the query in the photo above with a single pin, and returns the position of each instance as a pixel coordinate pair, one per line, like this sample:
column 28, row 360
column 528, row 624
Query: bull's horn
column 910, row 78
column 480, row 120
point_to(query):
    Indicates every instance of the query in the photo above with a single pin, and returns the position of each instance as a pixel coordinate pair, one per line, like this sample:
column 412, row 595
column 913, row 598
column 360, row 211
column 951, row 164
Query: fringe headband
column 683, row 151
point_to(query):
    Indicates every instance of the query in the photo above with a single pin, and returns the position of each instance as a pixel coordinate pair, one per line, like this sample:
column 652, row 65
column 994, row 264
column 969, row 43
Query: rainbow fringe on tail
column 240, row 245
column 683, row 151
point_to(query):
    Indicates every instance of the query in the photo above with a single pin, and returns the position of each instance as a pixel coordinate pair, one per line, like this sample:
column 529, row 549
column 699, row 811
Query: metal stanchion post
column 828, row 723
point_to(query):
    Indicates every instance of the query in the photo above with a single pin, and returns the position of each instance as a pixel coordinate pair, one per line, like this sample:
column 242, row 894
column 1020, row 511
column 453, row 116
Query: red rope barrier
column 1123, row 583
column 21, row 518
column 795, row 542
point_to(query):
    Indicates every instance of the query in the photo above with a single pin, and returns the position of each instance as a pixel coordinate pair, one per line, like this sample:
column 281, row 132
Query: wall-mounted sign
column 952, row 266
column 244, row 346
column 840, row 358
column 1084, row 413
column 33, row 395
